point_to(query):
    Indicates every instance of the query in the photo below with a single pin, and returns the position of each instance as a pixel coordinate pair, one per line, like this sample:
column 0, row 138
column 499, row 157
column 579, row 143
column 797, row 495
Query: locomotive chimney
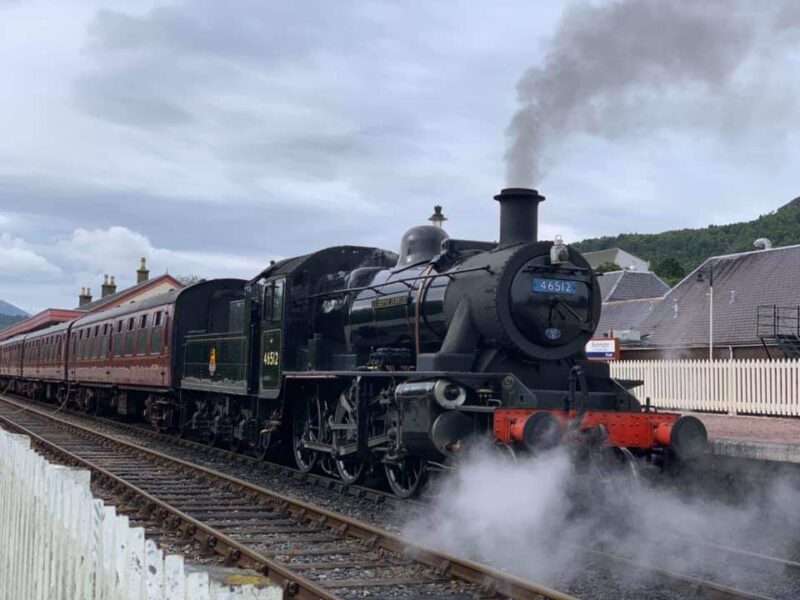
column 519, row 215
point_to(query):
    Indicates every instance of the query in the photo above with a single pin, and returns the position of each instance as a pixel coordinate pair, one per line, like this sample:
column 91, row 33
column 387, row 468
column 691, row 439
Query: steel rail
column 492, row 581
column 694, row 587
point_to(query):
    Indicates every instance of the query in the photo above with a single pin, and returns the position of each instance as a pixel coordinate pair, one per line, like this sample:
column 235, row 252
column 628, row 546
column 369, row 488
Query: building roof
column 631, row 285
column 742, row 282
column 626, row 315
column 46, row 318
column 123, row 296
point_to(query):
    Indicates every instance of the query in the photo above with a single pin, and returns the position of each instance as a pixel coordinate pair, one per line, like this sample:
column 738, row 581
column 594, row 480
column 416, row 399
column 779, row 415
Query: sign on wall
column 603, row 349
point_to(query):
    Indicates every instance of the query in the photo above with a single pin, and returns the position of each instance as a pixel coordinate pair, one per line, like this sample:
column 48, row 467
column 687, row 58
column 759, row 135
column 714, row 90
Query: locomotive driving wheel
column 306, row 428
column 350, row 467
column 405, row 476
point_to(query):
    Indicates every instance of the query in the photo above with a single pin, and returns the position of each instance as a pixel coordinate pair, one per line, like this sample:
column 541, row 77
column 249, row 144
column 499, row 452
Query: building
column 756, row 310
column 109, row 298
column 45, row 318
column 616, row 256
column 628, row 299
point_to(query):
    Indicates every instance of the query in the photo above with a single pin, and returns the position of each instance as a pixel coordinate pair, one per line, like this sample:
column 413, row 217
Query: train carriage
column 11, row 359
column 129, row 359
column 44, row 360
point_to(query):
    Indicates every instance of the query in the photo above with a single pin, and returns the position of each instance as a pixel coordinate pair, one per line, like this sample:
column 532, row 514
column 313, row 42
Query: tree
column 607, row 267
column 670, row 270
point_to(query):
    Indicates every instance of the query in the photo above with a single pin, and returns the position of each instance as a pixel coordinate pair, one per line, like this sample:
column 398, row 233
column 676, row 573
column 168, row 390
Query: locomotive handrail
column 404, row 281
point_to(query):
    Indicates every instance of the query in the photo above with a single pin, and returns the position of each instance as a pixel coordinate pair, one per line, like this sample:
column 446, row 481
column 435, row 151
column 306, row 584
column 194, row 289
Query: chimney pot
column 109, row 287
column 85, row 296
column 142, row 274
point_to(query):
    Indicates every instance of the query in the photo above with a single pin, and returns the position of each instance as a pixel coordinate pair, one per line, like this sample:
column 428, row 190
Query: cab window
column 273, row 300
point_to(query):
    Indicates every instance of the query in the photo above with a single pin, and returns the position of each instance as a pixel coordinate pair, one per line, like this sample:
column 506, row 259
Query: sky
column 212, row 137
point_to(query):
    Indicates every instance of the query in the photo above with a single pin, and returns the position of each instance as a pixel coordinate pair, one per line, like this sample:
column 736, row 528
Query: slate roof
column 626, row 315
column 631, row 285
column 742, row 282
column 608, row 281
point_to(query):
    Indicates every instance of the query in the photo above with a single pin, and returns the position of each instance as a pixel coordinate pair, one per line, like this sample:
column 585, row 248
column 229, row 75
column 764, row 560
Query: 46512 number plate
column 554, row 286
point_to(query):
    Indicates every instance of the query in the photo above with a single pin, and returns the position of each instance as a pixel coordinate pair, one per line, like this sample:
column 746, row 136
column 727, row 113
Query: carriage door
column 271, row 335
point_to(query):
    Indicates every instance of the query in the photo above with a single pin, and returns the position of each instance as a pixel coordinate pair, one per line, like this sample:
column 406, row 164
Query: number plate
column 554, row 286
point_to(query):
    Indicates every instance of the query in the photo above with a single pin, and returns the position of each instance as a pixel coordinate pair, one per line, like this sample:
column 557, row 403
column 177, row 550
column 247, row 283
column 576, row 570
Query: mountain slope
column 8, row 320
column 11, row 310
column 690, row 247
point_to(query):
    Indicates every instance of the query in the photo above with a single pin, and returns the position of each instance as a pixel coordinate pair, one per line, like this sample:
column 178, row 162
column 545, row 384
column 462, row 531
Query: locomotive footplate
column 536, row 430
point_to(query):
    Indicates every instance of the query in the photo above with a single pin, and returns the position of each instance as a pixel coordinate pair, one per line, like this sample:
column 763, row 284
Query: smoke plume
column 626, row 67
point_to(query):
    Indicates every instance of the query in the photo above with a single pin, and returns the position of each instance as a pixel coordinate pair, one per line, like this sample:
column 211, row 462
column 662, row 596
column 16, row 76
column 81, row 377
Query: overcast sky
column 214, row 136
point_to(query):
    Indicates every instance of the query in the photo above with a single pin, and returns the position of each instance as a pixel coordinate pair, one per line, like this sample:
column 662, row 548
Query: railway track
column 315, row 553
column 311, row 549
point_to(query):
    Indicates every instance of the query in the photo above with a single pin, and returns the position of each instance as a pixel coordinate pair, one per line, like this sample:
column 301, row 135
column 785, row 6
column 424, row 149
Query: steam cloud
column 531, row 518
column 619, row 68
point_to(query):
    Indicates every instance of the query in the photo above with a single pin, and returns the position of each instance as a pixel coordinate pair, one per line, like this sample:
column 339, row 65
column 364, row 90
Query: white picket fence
column 57, row 542
column 758, row 387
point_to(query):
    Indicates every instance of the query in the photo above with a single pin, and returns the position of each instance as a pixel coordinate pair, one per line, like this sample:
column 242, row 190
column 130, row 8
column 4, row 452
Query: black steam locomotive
column 355, row 358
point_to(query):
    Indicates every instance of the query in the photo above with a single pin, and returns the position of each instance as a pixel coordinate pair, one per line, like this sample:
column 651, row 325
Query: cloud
column 117, row 250
column 227, row 134
column 18, row 261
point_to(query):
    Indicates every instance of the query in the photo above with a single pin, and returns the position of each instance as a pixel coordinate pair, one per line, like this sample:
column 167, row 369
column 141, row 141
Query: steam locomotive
column 355, row 359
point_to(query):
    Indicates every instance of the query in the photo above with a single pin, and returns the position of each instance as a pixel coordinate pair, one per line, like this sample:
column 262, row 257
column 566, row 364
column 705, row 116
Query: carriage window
column 131, row 322
column 105, row 329
column 155, row 340
column 142, row 341
column 157, row 320
column 119, row 326
column 118, row 343
column 143, row 321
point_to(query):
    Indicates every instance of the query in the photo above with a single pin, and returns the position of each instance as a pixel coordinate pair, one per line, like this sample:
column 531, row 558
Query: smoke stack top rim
column 519, row 192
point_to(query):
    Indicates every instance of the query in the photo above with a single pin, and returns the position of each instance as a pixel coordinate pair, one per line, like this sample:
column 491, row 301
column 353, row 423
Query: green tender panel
column 216, row 363
column 270, row 359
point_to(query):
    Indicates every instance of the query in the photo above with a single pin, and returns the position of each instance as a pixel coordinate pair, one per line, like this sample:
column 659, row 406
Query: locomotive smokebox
column 519, row 215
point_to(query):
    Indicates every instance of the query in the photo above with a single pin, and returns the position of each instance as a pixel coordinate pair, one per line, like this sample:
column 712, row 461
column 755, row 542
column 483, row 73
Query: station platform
column 758, row 438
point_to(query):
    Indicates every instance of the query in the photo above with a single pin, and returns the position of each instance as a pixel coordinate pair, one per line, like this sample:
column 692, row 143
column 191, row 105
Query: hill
column 9, row 309
column 673, row 253
column 8, row 320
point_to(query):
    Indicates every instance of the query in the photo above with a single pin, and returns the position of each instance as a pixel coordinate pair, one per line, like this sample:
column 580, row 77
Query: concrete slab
column 757, row 438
